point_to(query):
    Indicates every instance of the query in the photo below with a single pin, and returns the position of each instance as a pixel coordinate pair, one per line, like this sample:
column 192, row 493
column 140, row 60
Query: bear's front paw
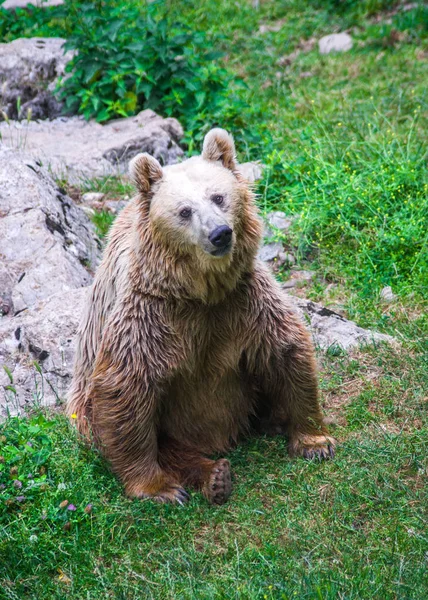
column 219, row 485
column 312, row 446
column 169, row 494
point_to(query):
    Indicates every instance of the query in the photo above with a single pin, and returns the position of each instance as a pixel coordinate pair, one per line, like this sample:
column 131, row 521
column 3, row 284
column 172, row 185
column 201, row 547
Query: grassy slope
column 352, row 528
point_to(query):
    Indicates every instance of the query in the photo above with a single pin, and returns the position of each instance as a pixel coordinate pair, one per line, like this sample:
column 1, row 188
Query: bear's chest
column 213, row 339
column 209, row 400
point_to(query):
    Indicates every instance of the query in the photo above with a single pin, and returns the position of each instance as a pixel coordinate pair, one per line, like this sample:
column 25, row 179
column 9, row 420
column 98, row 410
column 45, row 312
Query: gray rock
column 45, row 334
column 29, row 68
column 46, row 242
column 115, row 206
column 270, row 252
column 287, row 258
column 330, row 330
column 251, row 171
column 12, row 4
column 299, row 278
column 278, row 221
column 336, row 42
column 387, row 295
column 91, row 197
column 88, row 149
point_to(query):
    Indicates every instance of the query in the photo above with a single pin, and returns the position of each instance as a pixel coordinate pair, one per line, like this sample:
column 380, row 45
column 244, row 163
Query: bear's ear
column 144, row 171
column 219, row 146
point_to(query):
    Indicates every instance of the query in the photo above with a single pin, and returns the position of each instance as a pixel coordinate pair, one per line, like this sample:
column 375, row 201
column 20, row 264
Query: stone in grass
column 273, row 252
column 115, row 206
column 90, row 197
column 299, row 278
column 331, row 331
column 251, row 171
column 336, row 42
column 278, row 221
column 387, row 295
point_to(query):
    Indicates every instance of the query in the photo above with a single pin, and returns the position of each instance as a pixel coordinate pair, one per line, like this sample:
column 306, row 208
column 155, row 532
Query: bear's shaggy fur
column 188, row 343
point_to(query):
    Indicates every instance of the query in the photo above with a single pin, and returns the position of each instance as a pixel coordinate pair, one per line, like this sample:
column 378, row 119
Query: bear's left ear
column 144, row 171
column 219, row 146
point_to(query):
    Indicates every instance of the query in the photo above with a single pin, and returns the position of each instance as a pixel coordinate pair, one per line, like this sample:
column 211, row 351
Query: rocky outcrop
column 48, row 251
column 332, row 331
column 29, row 69
column 37, row 349
column 47, row 243
column 88, row 149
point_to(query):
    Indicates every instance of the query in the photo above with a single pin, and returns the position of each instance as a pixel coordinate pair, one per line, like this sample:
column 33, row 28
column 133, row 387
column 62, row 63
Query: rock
column 274, row 27
column 287, row 258
column 88, row 210
column 47, row 243
column 89, row 149
column 299, row 278
column 12, row 4
column 336, row 42
column 29, row 68
column 330, row 330
column 270, row 252
column 90, row 197
column 387, row 295
column 251, row 171
column 46, row 334
column 278, row 220
column 115, row 206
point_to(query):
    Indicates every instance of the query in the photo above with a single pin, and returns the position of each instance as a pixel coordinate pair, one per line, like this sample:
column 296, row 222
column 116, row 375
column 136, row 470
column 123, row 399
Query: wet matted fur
column 182, row 350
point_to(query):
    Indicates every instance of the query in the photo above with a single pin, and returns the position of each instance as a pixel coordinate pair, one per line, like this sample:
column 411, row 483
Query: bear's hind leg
column 190, row 468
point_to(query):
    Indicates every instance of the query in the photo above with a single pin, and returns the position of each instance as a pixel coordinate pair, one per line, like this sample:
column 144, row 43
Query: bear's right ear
column 144, row 171
column 219, row 146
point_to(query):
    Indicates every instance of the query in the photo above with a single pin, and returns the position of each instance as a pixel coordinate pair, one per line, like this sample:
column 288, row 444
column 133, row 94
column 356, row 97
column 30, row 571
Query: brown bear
column 188, row 343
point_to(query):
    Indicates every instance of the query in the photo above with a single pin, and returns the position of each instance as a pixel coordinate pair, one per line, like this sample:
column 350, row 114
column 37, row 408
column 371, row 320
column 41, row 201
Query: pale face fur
column 192, row 201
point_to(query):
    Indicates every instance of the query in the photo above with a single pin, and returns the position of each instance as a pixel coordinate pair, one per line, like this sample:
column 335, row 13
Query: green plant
column 103, row 220
column 31, row 22
column 25, row 451
column 129, row 58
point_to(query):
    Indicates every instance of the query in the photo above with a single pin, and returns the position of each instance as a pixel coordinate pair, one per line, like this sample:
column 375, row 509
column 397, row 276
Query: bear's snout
column 221, row 237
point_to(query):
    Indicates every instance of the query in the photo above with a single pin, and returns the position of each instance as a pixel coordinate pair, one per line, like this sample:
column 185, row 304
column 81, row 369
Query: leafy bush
column 130, row 58
column 31, row 22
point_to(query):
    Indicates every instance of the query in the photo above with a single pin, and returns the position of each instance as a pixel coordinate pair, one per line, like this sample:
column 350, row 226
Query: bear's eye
column 186, row 213
column 217, row 199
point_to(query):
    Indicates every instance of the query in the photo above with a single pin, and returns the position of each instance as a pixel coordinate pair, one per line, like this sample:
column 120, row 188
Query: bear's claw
column 312, row 447
column 170, row 493
column 174, row 494
column 219, row 485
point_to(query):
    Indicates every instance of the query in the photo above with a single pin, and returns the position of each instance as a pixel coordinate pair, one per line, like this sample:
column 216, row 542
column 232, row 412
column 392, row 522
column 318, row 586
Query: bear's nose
column 220, row 236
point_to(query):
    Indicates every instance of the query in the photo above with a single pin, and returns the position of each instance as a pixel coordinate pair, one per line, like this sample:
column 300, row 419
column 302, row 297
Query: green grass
column 343, row 138
column 350, row 528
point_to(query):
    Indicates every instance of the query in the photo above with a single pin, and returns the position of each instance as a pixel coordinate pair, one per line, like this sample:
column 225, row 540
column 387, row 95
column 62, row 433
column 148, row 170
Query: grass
column 351, row 528
column 343, row 141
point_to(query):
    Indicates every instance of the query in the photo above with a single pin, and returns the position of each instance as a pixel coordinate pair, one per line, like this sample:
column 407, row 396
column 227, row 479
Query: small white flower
column 62, row 486
column 33, row 539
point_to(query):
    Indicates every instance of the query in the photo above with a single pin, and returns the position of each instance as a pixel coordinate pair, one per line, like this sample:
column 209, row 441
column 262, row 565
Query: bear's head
column 201, row 212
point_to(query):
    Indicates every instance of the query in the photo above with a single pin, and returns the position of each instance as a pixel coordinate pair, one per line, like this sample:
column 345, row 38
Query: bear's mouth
column 219, row 252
